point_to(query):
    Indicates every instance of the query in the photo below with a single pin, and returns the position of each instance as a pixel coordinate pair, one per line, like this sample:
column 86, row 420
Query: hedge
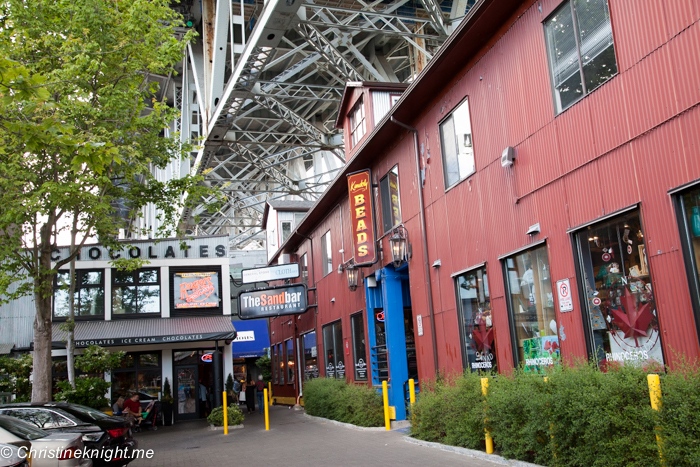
column 336, row 400
column 576, row 416
column 235, row 416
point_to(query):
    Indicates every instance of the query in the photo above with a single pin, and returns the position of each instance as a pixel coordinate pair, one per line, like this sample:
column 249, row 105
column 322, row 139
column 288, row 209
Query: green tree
column 91, row 387
column 14, row 376
column 264, row 363
column 80, row 135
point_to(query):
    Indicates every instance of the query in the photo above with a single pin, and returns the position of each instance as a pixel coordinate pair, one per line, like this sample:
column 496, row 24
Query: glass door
column 186, row 380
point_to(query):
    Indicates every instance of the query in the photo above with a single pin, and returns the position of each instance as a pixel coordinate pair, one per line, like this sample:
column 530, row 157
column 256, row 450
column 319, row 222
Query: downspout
column 424, row 238
column 310, row 271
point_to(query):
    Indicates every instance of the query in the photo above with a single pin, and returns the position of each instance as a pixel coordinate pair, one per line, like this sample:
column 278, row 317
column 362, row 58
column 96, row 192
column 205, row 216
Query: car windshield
column 88, row 412
column 21, row 429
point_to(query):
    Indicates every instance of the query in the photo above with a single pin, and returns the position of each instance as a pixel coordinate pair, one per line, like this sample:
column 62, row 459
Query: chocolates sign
column 364, row 238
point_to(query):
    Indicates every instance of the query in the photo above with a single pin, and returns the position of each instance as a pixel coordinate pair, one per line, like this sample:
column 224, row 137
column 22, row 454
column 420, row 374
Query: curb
column 347, row 425
column 230, row 427
column 496, row 459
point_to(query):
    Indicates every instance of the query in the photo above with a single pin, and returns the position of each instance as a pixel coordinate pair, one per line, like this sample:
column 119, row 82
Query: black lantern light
column 352, row 273
column 398, row 242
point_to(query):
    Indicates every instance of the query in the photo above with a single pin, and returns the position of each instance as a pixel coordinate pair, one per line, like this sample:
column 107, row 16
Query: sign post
column 564, row 294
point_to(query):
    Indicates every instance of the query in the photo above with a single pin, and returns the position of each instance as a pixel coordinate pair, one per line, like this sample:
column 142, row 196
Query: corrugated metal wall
column 17, row 321
column 381, row 103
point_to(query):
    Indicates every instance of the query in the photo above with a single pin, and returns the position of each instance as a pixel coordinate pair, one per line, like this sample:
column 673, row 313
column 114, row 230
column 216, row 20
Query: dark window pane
column 92, row 301
column 149, row 381
column 358, row 346
column 123, row 383
column 563, row 58
column 149, row 299
column 329, row 350
column 339, row 354
column 149, row 360
column 148, row 275
column 310, row 356
column 123, row 277
column 127, row 361
column 290, row 362
column 477, row 334
column 123, row 300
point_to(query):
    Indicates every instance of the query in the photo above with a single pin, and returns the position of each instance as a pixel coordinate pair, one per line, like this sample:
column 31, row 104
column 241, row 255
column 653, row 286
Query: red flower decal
column 632, row 320
column 482, row 337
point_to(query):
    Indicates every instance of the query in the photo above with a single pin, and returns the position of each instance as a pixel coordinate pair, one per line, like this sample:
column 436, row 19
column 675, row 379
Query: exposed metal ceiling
column 261, row 86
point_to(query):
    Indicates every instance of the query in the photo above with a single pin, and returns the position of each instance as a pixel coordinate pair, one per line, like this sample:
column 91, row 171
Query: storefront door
column 186, row 383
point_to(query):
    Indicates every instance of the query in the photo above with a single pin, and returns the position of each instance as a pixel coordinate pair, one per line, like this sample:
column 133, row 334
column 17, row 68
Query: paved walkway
column 293, row 440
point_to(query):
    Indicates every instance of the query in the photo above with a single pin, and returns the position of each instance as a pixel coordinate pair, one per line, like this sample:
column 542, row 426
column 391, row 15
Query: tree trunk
column 41, row 385
column 70, row 343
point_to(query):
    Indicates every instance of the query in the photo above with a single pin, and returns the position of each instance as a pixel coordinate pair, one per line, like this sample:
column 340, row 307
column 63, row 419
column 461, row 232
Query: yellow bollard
column 385, row 395
column 267, row 412
column 655, row 397
column 412, row 391
column 489, row 440
column 225, row 415
column 269, row 387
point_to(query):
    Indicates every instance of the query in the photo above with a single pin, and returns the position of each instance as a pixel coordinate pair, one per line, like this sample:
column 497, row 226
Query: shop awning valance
column 147, row 331
column 252, row 339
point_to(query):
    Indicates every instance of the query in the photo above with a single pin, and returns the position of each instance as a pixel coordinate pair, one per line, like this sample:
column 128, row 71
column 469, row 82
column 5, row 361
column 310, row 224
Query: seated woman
column 118, row 407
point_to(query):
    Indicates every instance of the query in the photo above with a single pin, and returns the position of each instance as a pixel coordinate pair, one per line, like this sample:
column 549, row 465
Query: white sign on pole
column 419, row 321
column 564, row 293
column 271, row 273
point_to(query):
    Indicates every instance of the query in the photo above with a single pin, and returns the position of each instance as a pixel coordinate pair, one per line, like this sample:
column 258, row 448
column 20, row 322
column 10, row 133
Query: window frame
column 309, row 375
column 459, row 180
column 79, row 273
column 136, row 368
column 389, row 213
column 289, row 358
column 337, row 349
column 577, row 39
column 280, row 364
column 326, row 253
column 355, row 351
column 291, row 228
column 135, row 275
column 354, row 124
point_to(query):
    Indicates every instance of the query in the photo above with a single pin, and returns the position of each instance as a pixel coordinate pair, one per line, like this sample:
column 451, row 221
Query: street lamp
column 398, row 242
column 352, row 272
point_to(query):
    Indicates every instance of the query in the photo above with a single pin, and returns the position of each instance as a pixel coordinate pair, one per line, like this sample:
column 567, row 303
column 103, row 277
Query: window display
column 478, row 345
column 333, row 348
column 310, row 355
column 533, row 318
column 622, row 317
column 357, row 323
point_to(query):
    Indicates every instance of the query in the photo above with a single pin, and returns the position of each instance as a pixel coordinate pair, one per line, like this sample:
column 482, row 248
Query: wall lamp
column 400, row 246
column 352, row 273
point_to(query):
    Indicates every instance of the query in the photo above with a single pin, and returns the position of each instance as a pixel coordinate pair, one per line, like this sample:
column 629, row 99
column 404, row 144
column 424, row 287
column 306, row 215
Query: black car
column 99, row 431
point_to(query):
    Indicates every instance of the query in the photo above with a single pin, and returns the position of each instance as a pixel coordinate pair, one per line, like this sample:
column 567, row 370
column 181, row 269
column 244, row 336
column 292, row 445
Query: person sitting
column 118, row 407
column 132, row 409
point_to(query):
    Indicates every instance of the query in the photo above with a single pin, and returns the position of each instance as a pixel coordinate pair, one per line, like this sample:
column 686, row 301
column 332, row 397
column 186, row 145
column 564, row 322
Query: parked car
column 54, row 449
column 99, row 431
column 10, row 457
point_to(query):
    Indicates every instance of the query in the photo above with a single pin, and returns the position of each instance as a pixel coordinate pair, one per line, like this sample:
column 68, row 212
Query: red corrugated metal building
column 559, row 151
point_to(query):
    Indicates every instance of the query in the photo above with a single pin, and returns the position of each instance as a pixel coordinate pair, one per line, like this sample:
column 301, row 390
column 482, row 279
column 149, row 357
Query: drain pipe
column 424, row 237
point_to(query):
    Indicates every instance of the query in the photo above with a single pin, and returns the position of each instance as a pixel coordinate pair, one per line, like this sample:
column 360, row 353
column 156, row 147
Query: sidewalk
column 293, row 440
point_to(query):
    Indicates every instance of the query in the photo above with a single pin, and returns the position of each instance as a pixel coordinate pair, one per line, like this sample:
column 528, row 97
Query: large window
column 89, row 295
column 333, row 349
column 326, row 253
column 310, row 355
column 477, row 334
column 138, row 372
column 580, row 49
column 357, row 323
column 286, row 230
column 531, row 303
column 357, row 123
column 689, row 219
column 290, row 361
column 620, row 314
column 457, row 148
column 389, row 192
column 136, row 292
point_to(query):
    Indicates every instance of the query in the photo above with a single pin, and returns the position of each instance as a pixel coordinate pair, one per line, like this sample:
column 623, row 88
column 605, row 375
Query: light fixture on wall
column 400, row 248
column 352, row 273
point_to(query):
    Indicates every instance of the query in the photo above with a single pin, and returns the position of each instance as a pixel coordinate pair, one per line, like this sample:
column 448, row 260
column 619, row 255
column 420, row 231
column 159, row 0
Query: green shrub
column 89, row 391
column 264, row 364
column 679, row 416
column 235, row 416
column 14, row 376
column 601, row 419
column 336, row 400
column 517, row 416
column 450, row 411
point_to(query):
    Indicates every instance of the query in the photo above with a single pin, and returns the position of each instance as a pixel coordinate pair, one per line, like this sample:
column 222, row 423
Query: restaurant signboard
column 272, row 301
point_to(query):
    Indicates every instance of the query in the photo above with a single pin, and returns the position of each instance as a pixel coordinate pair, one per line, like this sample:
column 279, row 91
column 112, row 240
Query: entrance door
column 187, row 406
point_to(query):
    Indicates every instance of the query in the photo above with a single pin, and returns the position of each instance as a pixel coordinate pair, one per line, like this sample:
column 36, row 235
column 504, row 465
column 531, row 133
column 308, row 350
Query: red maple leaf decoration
column 482, row 337
column 632, row 320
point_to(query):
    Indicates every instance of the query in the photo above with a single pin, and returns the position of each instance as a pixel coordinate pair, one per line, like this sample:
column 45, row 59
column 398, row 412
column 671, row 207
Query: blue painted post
column 395, row 338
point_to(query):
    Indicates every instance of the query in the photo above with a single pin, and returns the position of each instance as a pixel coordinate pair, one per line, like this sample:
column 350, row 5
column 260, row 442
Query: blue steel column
column 395, row 338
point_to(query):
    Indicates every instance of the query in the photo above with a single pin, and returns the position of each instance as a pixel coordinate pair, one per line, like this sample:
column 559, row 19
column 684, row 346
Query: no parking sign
column 564, row 293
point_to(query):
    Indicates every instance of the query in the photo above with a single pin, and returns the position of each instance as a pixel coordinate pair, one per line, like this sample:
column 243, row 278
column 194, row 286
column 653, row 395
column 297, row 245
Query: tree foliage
column 14, row 376
column 81, row 132
column 91, row 387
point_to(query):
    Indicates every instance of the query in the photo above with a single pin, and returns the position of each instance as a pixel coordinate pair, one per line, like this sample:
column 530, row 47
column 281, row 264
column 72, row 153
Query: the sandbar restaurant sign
column 364, row 238
column 272, row 301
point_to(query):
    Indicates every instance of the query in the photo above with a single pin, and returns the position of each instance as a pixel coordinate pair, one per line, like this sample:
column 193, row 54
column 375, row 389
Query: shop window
column 688, row 208
column 389, row 193
column 89, row 295
column 304, row 266
column 136, row 292
column 326, row 253
column 286, row 230
column 476, row 323
column 620, row 310
column 290, row 361
column 457, row 148
column 380, row 353
column 357, row 123
column 275, row 365
column 310, row 355
column 138, row 372
column 280, row 362
column 333, row 348
column 580, row 49
column 357, row 324
column 533, row 320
